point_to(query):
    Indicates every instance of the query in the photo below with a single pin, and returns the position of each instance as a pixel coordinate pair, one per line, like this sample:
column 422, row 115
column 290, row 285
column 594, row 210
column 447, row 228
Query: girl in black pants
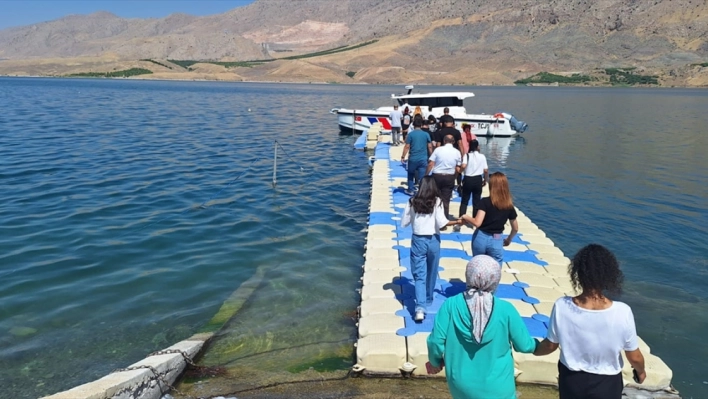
column 474, row 165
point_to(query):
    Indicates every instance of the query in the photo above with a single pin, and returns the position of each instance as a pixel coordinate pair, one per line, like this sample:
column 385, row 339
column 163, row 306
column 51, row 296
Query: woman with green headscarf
column 473, row 336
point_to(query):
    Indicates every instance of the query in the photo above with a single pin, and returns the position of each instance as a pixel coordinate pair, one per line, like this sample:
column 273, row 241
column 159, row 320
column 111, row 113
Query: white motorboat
column 500, row 124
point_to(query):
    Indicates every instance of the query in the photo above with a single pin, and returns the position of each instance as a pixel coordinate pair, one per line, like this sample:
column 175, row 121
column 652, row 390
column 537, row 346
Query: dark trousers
column 446, row 183
column 582, row 385
column 471, row 186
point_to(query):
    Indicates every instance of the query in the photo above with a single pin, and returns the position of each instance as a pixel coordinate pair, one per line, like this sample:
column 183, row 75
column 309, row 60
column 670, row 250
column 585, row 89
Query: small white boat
column 500, row 124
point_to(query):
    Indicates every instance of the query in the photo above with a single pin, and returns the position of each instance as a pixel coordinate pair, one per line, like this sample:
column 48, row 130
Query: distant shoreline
column 347, row 83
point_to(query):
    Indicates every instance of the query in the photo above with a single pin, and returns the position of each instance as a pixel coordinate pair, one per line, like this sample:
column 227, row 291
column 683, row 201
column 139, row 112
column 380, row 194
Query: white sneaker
column 419, row 315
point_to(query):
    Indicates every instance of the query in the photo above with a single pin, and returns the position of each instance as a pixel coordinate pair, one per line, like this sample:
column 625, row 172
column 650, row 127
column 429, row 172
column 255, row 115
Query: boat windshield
column 433, row 102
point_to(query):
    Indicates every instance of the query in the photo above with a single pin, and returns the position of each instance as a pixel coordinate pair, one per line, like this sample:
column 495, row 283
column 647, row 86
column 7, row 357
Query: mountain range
column 416, row 41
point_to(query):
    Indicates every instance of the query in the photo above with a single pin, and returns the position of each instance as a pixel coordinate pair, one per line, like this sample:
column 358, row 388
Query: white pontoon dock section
column 535, row 275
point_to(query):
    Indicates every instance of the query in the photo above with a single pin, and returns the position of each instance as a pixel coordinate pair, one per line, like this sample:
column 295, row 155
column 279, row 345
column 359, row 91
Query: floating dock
column 535, row 274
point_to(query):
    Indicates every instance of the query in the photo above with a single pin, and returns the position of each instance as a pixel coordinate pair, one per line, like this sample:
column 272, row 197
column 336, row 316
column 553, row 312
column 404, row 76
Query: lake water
column 132, row 209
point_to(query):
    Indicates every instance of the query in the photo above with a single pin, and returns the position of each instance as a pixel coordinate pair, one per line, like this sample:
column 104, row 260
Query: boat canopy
column 433, row 100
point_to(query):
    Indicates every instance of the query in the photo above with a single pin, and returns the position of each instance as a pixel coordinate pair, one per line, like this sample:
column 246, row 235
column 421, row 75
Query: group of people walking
column 474, row 332
column 440, row 155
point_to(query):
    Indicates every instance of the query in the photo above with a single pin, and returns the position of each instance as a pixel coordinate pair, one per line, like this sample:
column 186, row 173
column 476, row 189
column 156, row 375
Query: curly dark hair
column 595, row 268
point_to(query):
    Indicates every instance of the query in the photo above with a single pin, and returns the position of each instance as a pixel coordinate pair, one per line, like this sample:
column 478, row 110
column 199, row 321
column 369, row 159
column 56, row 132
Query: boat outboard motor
column 516, row 125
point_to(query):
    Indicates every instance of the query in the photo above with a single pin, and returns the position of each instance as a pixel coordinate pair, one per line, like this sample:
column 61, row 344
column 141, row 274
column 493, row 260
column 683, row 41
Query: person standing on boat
column 420, row 146
column 592, row 330
column 395, row 116
column 474, row 166
column 444, row 163
column 492, row 215
column 424, row 213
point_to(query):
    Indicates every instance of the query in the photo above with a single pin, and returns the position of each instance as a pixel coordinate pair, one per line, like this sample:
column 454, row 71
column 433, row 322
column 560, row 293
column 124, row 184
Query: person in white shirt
column 592, row 330
column 395, row 116
column 424, row 213
column 444, row 163
column 476, row 170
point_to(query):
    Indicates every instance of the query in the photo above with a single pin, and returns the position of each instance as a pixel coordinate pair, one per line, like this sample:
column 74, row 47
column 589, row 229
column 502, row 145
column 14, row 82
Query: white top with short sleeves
column 445, row 158
column 395, row 117
column 425, row 225
column 476, row 164
column 592, row 340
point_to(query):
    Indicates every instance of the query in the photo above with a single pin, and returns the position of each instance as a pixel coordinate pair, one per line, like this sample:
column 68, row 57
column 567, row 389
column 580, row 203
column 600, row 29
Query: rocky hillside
column 434, row 41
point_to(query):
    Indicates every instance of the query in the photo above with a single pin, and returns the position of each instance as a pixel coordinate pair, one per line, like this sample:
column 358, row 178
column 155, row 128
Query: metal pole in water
column 275, row 161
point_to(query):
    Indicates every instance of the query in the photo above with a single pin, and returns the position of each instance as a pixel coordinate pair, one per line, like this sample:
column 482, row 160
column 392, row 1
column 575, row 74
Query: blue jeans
column 485, row 244
column 416, row 166
column 425, row 259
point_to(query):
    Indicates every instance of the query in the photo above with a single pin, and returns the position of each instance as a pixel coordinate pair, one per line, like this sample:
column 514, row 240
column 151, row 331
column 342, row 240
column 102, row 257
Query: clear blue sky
column 25, row 12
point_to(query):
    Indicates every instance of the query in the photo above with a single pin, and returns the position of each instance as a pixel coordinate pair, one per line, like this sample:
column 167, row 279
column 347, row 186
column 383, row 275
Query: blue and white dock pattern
column 535, row 275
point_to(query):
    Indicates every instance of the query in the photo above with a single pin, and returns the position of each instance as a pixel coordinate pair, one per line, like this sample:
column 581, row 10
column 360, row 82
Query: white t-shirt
column 592, row 340
column 476, row 164
column 425, row 225
column 445, row 158
column 395, row 117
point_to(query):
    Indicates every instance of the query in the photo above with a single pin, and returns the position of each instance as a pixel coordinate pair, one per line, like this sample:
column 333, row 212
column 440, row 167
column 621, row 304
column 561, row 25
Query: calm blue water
column 106, row 252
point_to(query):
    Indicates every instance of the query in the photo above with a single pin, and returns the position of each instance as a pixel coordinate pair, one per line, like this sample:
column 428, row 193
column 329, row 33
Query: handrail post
column 275, row 161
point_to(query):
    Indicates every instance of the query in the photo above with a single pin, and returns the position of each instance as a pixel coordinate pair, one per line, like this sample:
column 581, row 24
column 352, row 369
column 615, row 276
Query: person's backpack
column 406, row 120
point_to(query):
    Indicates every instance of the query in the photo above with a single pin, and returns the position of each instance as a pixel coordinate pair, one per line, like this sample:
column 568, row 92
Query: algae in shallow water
column 235, row 302
column 23, row 331
column 326, row 364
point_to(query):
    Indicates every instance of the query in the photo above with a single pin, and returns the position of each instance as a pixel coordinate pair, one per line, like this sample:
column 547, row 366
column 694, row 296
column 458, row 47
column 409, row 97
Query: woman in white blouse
column 426, row 215
column 592, row 330
column 474, row 165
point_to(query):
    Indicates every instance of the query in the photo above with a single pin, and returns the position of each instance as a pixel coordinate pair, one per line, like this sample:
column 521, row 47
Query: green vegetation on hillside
column 115, row 74
column 351, row 74
column 613, row 76
column 545, row 77
column 187, row 64
column 184, row 63
column 156, row 62
column 625, row 77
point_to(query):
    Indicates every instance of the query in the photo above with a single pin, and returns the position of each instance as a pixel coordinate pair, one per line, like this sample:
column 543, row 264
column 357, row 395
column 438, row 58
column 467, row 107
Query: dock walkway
column 535, row 275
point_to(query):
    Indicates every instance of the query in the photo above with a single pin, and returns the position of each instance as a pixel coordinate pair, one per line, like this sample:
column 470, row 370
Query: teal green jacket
column 478, row 371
